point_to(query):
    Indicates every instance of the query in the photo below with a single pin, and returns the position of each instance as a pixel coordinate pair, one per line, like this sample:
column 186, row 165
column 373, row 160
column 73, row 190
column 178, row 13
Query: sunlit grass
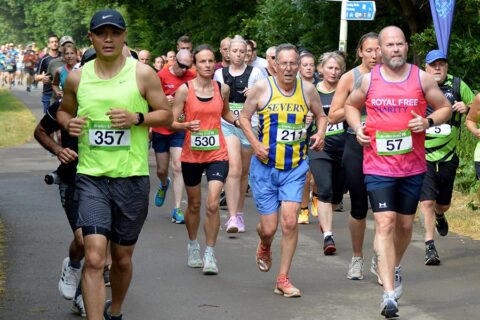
column 16, row 120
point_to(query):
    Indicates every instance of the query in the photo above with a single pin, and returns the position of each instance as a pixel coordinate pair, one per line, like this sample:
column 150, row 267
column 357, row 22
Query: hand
column 66, row 155
column 318, row 141
column 75, row 126
column 418, row 123
column 46, row 79
column 245, row 92
column 122, row 118
column 476, row 133
column 460, row 107
column 362, row 137
column 170, row 100
column 59, row 94
column 194, row 125
column 260, row 151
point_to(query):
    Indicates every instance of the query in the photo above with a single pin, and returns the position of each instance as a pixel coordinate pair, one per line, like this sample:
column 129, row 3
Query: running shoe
column 388, row 307
column 194, row 259
column 69, row 279
column 177, row 216
column 231, row 225
column 286, row 288
column 106, row 315
column 339, row 207
column 355, row 270
column 78, row 306
column 329, row 246
column 264, row 257
column 28, row 89
column 210, row 264
column 106, row 275
column 161, row 193
column 441, row 224
column 314, row 206
column 431, row 255
column 303, row 216
column 240, row 223
column 374, row 270
column 223, row 199
column 398, row 283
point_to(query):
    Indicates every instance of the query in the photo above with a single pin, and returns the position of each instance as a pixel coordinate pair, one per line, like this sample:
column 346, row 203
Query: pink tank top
column 394, row 150
column 208, row 144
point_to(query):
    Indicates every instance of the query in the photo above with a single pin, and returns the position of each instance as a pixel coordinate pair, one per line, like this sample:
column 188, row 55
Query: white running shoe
column 69, row 280
column 78, row 307
column 210, row 264
column 194, row 259
column 374, row 270
column 355, row 271
column 398, row 283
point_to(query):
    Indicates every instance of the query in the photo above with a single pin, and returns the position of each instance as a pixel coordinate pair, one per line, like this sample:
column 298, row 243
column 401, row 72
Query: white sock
column 327, row 233
column 209, row 250
column 194, row 243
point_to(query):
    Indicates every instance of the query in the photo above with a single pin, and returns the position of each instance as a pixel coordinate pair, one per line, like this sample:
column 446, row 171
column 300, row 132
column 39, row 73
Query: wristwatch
column 430, row 122
column 140, row 118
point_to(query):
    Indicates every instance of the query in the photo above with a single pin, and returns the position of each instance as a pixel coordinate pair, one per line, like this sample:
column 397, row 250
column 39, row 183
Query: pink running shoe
column 286, row 288
column 232, row 225
column 240, row 223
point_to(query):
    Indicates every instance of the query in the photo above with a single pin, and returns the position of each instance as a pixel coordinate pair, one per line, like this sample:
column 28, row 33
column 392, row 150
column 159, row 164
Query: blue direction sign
column 360, row 10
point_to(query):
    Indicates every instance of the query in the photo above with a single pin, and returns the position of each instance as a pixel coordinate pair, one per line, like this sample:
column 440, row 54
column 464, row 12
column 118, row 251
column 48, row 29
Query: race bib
column 236, row 108
column 101, row 135
column 392, row 143
column 442, row 130
column 334, row 129
column 28, row 64
column 291, row 133
column 363, row 120
column 205, row 140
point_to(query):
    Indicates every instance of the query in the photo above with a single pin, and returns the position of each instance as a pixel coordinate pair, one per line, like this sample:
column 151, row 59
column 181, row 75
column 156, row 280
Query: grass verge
column 3, row 272
column 464, row 215
column 16, row 121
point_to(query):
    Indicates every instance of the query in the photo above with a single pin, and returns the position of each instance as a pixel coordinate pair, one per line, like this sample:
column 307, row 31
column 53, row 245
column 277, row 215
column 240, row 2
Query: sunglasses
column 183, row 66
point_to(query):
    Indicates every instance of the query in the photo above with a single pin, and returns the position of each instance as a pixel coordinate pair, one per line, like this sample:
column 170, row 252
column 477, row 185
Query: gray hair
column 335, row 56
column 286, row 47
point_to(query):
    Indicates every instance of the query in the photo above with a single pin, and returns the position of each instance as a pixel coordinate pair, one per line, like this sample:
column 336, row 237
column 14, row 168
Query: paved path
column 163, row 287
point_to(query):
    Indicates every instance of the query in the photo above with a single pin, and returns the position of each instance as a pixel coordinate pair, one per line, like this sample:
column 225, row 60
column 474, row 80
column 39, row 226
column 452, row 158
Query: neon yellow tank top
column 106, row 151
column 282, row 127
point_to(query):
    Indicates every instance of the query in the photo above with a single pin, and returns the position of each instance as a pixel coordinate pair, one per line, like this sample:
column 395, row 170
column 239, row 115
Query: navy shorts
column 113, row 207
column 399, row 194
column 163, row 142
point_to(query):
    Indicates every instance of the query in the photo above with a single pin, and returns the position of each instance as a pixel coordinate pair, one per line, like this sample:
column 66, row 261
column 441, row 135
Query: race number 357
column 101, row 135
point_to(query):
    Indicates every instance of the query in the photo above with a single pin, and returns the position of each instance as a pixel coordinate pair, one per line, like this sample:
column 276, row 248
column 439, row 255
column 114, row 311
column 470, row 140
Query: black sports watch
column 140, row 118
column 430, row 122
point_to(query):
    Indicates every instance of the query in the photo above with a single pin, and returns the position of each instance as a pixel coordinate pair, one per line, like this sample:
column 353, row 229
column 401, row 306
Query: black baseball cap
column 107, row 17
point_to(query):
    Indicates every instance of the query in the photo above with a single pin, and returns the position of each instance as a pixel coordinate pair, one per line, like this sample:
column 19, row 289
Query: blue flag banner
column 442, row 14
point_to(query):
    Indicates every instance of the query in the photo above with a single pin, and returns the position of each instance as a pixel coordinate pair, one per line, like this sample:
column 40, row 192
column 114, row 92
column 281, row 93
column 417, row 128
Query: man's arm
column 434, row 96
column 336, row 113
column 315, row 104
column 253, row 102
column 473, row 117
column 353, row 106
column 466, row 96
column 68, row 108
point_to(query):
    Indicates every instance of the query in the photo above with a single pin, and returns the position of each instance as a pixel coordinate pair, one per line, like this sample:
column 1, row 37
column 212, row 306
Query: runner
column 473, row 118
column 271, row 60
column 306, row 70
column 224, row 49
column 326, row 165
column 440, row 148
column 29, row 61
column 353, row 153
column 41, row 72
column 168, row 144
column 112, row 173
column 280, row 164
column 60, row 75
column 204, row 102
column 396, row 95
column 158, row 64
column 240, row 78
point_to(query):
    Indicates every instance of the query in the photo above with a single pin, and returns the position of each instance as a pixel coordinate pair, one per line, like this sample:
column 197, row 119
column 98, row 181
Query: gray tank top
column 356, row 79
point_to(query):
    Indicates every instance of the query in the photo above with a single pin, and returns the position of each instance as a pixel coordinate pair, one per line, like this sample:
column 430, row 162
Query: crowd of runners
column 385, row 131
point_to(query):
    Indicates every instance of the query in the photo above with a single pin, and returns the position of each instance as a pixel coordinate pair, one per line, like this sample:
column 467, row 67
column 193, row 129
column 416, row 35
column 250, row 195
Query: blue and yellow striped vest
column 282, row 127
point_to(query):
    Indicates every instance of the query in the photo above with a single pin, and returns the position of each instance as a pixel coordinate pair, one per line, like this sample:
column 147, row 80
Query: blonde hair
column 335, row 56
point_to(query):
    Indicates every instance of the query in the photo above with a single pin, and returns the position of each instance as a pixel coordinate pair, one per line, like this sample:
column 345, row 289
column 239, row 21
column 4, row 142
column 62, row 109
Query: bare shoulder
column 427, row 80
column 145, row 71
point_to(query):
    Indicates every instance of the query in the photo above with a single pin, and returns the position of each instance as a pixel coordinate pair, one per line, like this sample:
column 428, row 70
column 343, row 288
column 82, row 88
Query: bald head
column 144, row 56
column 388, row 31
column 184, row 56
